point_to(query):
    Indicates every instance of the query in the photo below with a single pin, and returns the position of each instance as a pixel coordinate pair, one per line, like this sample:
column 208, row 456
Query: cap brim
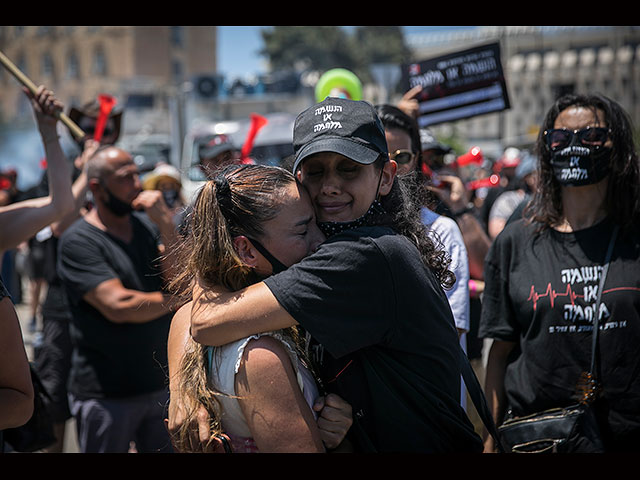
column 344, row 146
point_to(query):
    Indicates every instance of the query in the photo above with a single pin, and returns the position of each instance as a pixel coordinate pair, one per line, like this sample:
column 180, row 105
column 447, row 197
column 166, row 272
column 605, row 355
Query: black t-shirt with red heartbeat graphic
column 540, row 292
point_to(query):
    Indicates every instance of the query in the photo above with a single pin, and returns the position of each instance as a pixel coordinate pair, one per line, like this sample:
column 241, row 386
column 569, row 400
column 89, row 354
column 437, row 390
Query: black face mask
column 577, row 166
column 333, row 228
column 170, row 197
column 117, row 206
column 276, row 265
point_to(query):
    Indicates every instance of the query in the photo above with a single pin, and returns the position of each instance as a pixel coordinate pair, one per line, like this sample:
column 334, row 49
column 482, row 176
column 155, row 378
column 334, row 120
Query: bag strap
column 479, row 400
column 596, row 320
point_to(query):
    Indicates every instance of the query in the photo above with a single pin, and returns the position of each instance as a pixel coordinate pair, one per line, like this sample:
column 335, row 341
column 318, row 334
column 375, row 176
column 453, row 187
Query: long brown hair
column 237, row 201
column 623, row 192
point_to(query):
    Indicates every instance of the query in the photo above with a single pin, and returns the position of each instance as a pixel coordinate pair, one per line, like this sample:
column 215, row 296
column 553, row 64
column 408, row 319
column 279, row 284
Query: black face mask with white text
column 577, row 166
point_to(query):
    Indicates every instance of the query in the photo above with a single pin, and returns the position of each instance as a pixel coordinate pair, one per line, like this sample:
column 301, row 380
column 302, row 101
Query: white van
column 272, row 144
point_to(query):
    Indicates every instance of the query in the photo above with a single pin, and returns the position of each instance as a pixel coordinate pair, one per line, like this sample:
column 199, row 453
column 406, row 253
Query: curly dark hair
column 623, row 188
column 408, row 195
column 402, row 206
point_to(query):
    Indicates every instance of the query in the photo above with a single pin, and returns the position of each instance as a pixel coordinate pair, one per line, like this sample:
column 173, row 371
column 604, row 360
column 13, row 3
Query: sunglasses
column 402, row 156
column 559, row 138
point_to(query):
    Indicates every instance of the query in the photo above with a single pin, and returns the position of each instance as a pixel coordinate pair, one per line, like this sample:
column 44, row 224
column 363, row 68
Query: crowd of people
column 329, row 304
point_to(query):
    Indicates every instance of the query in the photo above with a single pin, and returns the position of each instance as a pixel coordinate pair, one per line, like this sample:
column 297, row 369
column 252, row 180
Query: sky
column 238, row 48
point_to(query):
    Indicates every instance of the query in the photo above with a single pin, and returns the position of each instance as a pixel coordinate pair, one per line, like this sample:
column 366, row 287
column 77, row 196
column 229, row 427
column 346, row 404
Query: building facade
column 142, row 66
column 539, row 64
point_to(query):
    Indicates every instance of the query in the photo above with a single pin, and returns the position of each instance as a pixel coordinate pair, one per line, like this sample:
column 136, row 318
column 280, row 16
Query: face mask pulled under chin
column 170, row 197
column 116, row 206
column 333, row 228
column 577, row 166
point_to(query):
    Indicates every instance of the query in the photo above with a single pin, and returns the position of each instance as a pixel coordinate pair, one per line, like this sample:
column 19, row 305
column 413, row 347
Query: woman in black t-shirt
column 371, row 296
column 542, row 275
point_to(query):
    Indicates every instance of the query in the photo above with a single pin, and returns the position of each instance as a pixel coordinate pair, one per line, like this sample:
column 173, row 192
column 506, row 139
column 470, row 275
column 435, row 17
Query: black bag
column 37, row 433
column 560, row 430
column 572, row 429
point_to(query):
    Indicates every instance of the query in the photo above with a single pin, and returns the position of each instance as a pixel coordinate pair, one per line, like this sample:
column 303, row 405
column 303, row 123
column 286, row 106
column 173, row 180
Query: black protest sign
column 458, row 85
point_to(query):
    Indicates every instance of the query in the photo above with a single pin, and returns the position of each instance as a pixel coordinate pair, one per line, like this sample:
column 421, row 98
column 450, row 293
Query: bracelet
column 472, row 287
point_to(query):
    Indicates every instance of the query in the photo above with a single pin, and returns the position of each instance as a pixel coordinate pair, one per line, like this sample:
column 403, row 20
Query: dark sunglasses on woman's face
column 559, row 138
column 401, row 156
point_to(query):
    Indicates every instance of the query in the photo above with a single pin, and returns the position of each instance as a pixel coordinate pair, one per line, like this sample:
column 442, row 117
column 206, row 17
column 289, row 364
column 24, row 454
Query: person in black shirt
column 112, row 263
column 542, row 275
column 371, row 296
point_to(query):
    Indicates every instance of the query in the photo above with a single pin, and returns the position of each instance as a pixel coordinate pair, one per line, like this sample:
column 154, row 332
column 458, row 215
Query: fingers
column 204, row 432
column 335, row 419
column 90, row 147
column 44, row 101
column 412, row 93
column 147, row 199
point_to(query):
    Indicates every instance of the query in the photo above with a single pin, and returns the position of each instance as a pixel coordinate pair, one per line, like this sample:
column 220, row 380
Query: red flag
column 491, row 181
column 472, row 156
column 106, row 105
column 257, row 122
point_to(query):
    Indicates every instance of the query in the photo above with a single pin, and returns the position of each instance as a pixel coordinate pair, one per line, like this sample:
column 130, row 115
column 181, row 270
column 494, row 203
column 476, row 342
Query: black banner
column 458, row 85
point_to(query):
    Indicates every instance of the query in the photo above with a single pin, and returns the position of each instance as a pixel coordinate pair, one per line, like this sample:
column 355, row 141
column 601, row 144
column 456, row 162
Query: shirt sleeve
column 448, row 232
column 497, row 319
column 81, row 265
column 343, row 295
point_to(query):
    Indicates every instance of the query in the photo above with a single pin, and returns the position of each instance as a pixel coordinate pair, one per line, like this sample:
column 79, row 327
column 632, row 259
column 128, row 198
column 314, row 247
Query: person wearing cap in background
column 166, row 178
column 100, row 119
column 505, row 168
column 433, row 152
column 371, row 296
column 216, row 151
column 522, row 184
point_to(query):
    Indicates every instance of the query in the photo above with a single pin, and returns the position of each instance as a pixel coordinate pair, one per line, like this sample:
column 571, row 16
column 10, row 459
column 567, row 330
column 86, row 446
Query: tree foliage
column 324, row 47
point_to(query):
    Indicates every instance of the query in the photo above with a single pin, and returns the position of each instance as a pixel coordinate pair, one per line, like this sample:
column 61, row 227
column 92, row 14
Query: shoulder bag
column 572, row 429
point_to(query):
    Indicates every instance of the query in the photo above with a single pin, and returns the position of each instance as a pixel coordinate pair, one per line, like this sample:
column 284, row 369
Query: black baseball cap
column 349, row 127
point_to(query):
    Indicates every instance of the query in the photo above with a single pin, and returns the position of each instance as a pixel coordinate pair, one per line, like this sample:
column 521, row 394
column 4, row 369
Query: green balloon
column 338, row 82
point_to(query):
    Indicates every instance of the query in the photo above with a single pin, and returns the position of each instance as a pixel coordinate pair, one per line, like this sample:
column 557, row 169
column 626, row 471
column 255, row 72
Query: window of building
column 177, row 36
column 177, row 70
column 73, row 67
column 47, row 65
column 99, row 63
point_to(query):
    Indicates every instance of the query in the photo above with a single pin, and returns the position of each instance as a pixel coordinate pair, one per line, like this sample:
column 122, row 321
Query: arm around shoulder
column 219, row 317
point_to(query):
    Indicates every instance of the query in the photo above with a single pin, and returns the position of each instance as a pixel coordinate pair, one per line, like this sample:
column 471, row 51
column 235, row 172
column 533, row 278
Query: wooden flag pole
column 24, row 80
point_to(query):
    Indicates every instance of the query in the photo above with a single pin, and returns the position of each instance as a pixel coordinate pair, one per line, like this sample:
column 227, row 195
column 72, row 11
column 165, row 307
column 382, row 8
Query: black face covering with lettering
column 577, row 166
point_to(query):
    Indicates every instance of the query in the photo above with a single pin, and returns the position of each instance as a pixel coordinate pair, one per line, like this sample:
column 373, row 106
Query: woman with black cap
column 370, row 297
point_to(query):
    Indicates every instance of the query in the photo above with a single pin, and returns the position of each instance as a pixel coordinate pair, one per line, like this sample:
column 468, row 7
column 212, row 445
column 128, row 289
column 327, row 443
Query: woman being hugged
column 542, row 276
column 247, row 223
column 370, row 297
